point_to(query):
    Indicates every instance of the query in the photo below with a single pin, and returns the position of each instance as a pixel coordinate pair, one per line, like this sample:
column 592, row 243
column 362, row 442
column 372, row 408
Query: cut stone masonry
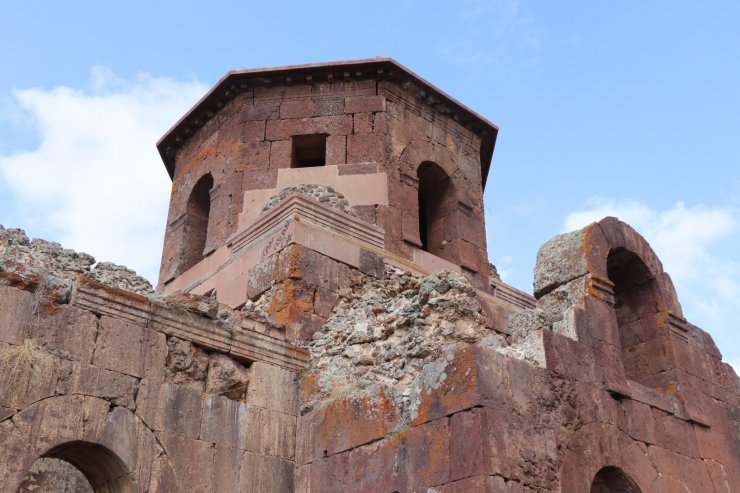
column 327, row 319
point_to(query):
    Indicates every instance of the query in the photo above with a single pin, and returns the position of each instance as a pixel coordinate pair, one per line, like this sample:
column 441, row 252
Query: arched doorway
column 197, row 212
column 77, row 467
column 437, row 203
column 613, row 480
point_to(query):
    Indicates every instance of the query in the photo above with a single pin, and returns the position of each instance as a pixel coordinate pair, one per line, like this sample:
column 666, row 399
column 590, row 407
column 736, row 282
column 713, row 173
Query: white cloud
column 96, row 179
column 698, row 248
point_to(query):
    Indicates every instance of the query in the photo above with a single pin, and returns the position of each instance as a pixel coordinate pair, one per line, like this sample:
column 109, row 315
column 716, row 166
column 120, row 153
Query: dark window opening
column 197, row 213
column 437, row 205
column 309, row 150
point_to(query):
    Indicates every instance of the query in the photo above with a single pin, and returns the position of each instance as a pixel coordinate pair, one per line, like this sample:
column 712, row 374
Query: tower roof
column 237, row 81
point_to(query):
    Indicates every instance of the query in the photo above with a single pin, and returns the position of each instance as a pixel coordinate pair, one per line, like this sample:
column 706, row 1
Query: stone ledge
column 244, row 343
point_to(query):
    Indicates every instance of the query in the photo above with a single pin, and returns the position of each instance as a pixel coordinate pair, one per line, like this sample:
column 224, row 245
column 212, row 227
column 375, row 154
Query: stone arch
column 610, row 271
column 196, row 222
column 612, row 479
column 112, row 447
column 603, row 454
column 103, row 469
column 419, row 151
column 437, row 199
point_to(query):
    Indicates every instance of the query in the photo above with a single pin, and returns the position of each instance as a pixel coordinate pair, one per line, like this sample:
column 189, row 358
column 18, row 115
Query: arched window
column 636, row 306
column 613, row 480
column 437, row 203
column 80, row 467
column 197, row 212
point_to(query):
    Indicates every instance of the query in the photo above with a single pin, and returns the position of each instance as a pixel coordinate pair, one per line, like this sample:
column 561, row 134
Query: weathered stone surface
column 422, row 371
column 264, row 379
column 16, row 310
column 224, row 421
column 173, row 408
column 130, row 349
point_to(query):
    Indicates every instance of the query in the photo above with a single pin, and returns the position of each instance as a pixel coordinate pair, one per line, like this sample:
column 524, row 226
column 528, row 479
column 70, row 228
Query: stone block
column 264, row 474
column 330, row 125
column 254, row 157
column 363, row 148
column 458, row 391
column 372, row 264
column 423, row 451
column 364, row 104
column 192, row 462
column 281, row 152
column 117, row 388
column 336, row 149
column 636, row 419
column 692, row 472
column 328, row 106
column 675, row 434
column 719, row 476
column 342, row 425
column 227, row 463
column 260, row 111
column 298, row 108
column 570, row 358
column 263, row 180
column 271, row 433
column 362, row 123
column 173, row 408
column 68, row 333
column 468, row 430
column 16, row 309
column 131, row 349
column 224, row 421
column 358, row 169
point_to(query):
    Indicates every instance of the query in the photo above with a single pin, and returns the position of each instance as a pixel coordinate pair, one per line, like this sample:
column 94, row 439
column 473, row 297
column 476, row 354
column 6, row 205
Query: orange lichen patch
column 293, row 296
column 295, row 262
column 26, row 283
column 457, row 391
column 351, row 422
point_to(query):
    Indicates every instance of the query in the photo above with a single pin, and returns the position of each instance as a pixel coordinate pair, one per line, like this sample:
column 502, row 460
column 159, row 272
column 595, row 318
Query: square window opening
column 309, row 150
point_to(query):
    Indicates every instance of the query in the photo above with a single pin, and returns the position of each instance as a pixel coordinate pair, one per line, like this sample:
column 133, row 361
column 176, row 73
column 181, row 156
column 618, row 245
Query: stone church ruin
column 327, row 320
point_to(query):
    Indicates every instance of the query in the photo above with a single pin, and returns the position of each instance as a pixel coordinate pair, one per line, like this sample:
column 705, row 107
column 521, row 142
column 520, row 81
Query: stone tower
column 398, row 168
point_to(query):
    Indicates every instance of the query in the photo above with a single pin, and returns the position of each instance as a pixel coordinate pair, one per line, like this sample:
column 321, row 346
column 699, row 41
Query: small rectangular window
column 309, row 150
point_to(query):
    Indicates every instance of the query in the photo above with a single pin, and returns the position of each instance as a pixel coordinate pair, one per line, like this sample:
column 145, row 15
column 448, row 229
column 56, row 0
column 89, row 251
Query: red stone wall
column 115, row 397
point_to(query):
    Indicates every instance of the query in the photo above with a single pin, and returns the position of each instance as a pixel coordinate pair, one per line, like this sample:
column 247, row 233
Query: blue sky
column 629, row 109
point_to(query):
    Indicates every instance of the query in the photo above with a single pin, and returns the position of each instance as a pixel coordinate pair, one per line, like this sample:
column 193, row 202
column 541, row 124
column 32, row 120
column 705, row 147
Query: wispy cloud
column 96, row 182
column 502, row 33
column 698, row 248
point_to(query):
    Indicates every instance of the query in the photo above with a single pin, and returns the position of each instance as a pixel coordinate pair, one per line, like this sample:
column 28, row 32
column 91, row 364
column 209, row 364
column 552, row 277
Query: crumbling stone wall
column 412, row 382
column 130, row 406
